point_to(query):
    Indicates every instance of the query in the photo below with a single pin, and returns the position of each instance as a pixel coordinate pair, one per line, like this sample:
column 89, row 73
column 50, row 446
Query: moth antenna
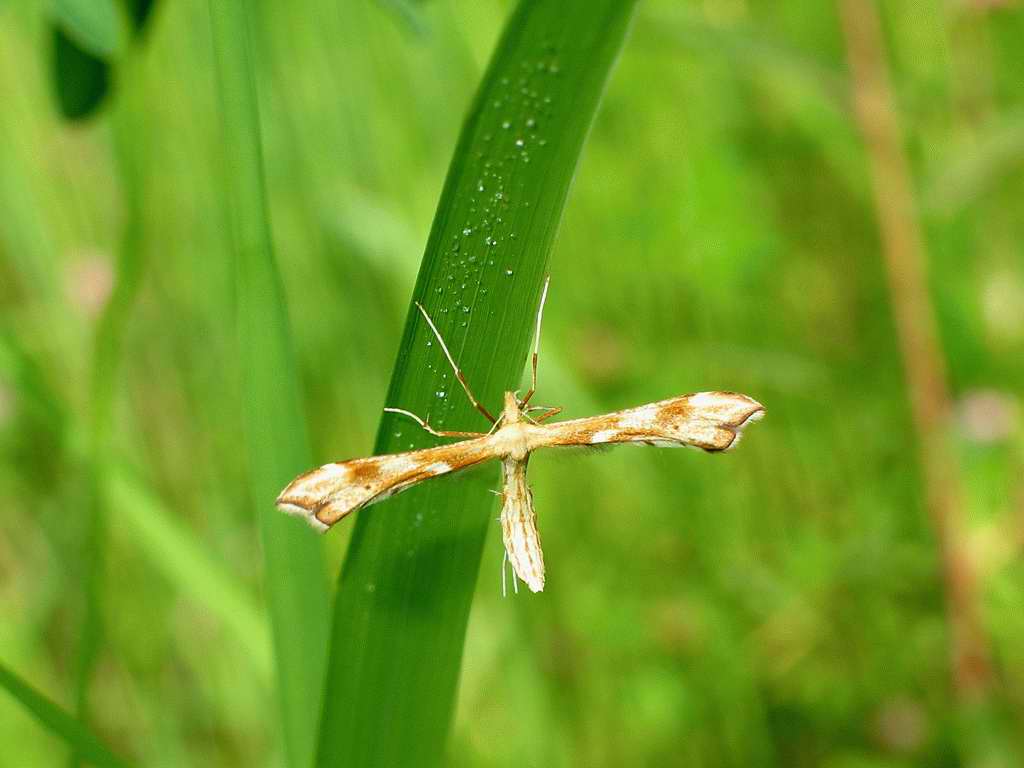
column 458, row 372
column 536, row 341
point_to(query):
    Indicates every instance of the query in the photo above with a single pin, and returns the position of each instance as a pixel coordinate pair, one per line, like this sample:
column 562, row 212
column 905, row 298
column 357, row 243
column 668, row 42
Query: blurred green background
column 782, row 605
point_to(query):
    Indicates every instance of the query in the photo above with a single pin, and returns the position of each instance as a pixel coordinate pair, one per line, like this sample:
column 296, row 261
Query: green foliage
column 405, row 592
column 95, row 25
column 275, row 439
column 81, row 79
column 780, row 605
column 59, row 722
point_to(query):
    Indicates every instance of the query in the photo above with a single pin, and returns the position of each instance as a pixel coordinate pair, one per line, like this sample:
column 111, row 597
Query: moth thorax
column 512, row 412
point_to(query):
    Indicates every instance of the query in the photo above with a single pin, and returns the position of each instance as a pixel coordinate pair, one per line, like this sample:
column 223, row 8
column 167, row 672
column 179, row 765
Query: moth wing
column 325, row 495
column 713, row 421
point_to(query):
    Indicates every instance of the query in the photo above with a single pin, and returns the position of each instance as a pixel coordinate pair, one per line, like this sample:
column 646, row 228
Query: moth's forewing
column 712, row 421
column 325, row 495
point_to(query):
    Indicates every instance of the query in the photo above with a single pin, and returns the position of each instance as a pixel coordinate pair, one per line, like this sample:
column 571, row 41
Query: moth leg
column 549, row 412
column 429, row 428
column 504, row 562
column 515, row 583
column 458, row 372
column 536, row 343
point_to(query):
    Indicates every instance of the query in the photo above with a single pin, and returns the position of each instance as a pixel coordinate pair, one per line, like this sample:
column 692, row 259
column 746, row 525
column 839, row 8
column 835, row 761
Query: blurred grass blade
column 94, row 24
column 751, row 50
column 403, row 603
column 104, row 376
column 139, row 14
column 81, row 79
column 143, row 518
column 276, row 443
column 408, row 12
column 175, row 553
column 36, row 396
column 59, row 722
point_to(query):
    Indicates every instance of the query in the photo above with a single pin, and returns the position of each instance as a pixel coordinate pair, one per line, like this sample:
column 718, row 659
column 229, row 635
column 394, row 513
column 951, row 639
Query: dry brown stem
column 906, row 263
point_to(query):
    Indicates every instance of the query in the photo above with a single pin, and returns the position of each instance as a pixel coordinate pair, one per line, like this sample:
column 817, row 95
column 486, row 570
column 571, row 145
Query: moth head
column 513, row 409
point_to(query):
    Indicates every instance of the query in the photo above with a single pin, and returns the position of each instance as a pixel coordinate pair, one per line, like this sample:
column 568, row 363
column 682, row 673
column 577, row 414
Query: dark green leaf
column 81, row 78
column 405, row 592
column 139, row 13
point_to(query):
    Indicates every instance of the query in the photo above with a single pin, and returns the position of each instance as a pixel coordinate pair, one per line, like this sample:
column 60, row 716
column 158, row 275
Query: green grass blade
column 403, row 603
column 276, row 443
column 81, row 78
column 174, row 552
column 142, row 518
column 104, row 376
column 94, row 24
column 59, row 722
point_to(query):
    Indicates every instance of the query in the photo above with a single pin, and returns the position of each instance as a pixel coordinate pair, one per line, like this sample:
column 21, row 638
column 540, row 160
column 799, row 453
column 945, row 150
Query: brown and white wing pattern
column 519, row 526
column 325, row 495
column 712, row 421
